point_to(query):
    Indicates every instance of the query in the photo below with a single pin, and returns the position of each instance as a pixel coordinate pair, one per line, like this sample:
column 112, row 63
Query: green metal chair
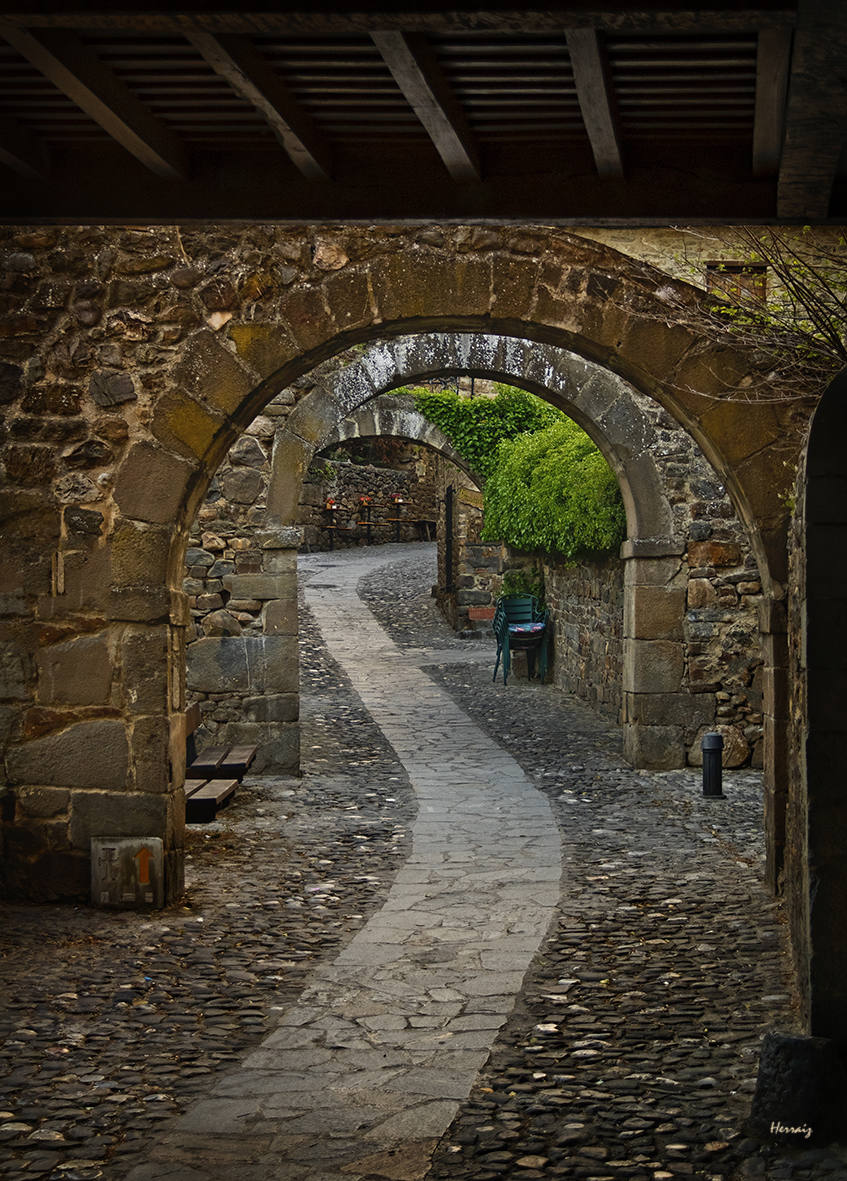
column 520, row 624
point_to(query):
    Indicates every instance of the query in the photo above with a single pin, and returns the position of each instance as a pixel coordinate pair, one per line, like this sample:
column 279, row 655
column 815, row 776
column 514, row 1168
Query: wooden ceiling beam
column 76, row 71
column 703, row 19
column 416, row 71
column 253, row 78
column 592, row 77
column 773, row 64
column 22, row 151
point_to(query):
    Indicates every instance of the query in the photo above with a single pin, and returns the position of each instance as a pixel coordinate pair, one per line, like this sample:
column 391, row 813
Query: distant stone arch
column 388, row 417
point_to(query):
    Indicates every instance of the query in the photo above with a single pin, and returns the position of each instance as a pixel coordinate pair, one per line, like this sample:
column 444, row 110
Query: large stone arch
column 191, row 379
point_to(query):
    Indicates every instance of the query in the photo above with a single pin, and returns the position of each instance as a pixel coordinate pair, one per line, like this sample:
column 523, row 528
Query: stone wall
column 467, row 567
column 344, row 483
column 586, row 604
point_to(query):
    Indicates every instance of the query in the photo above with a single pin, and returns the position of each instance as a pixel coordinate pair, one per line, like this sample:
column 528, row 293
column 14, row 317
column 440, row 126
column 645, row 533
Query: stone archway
column 664, row 707
column 107, row 573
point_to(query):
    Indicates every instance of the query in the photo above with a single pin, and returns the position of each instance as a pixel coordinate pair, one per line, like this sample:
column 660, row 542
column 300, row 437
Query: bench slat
column 202, row 805
column 207, row 763
column 237, row 760
column 192, row 785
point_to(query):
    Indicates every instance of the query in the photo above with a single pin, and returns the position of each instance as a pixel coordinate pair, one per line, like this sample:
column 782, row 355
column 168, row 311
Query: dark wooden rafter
column 592, row 78
column 237, row 61
column 75, row 70
column 416, row 71
column 773, row 63
column 21, row 151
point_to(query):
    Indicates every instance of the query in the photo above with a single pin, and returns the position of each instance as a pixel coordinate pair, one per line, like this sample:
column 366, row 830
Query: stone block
column 43, row 802
column 140, row 554
column 128, row 874
column 184, row 426
column 264, row 347
column 514, row 287
column 144, row 654
column 701, row 593
column 77, row 672
column 654, row 613
column 117, row 814
column 151, row 484
column 303, row 310
column 211, row 374
column 242, row 485
column 719, row 554
column 218, row 664
column 285, row 537
column 86, row 754
column 272, row 707
column 654, row 748
column 688, row 711
column 279, row 617
column 238, row 664
column 14, row 672
column 647, row 571
column 111, row 389
column 290, row 463
column 348, row 297
column 261, row 586
column 652, row 666
column 150, row 746
column 316, row 418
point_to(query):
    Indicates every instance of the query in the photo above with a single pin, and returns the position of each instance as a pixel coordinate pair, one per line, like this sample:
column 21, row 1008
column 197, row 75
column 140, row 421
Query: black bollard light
column 712, row 748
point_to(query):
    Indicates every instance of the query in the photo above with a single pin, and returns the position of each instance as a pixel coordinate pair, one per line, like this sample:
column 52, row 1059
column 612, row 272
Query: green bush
column 475, row 426
column 553, row 491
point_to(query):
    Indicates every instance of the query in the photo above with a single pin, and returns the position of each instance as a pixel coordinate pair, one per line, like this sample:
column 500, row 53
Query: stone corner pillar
column 773, row 628
column 656, row 706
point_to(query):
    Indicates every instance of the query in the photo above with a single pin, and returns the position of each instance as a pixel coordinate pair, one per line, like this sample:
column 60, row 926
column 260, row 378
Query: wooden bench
column 213, row 775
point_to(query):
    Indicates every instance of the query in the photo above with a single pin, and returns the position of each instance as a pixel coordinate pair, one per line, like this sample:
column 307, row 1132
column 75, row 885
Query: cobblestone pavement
column 630, row 1053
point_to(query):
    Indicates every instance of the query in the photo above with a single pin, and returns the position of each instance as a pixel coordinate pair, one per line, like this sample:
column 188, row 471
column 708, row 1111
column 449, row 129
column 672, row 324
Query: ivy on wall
column 547, row 487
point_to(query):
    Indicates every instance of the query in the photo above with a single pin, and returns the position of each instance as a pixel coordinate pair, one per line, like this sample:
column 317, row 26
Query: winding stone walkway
column 368, row 1070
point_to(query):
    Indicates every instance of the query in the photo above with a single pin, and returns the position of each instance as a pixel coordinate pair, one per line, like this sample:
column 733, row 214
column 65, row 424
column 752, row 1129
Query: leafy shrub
column 553, row 491
column 475, row 426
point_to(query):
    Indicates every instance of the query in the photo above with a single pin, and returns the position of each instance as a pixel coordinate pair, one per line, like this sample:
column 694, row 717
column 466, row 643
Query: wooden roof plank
column 416, row 71
column 596, row 100
column 773, row 62
column 76, row 71
column 252, row 77
column 21, row 151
